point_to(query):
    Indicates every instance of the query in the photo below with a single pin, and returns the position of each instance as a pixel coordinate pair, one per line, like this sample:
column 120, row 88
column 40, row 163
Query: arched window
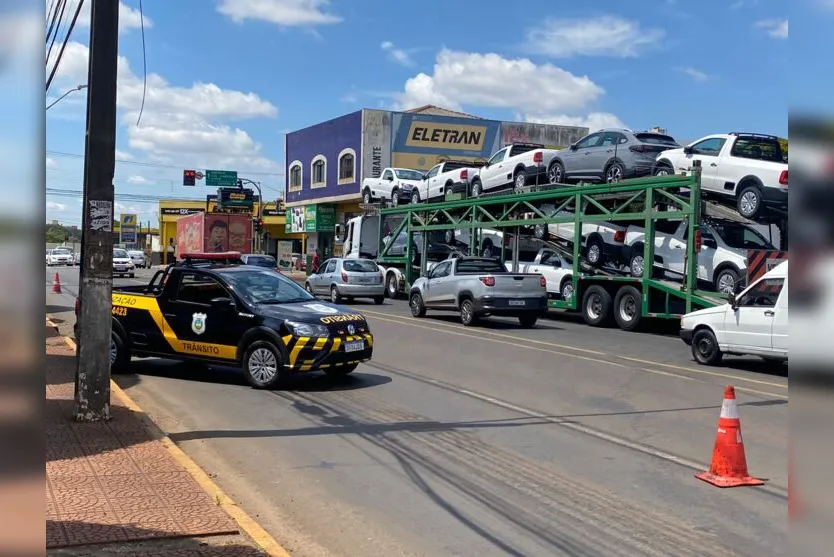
column 318, row 170
column 347, row 166
column 295, row 176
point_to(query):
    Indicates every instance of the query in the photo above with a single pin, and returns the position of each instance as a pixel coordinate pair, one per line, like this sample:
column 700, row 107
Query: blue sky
column 227, row 78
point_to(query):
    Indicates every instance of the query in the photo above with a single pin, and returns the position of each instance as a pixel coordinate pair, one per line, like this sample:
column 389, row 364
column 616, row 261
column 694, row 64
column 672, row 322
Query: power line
column 52, row 32
column 144, row 65
column 64, row 44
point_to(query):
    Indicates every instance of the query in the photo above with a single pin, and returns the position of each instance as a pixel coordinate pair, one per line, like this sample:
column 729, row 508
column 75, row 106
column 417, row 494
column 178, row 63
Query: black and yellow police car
column 212, row 308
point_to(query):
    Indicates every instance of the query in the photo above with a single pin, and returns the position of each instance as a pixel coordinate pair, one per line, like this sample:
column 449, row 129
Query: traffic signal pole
column 92, row 379
column 240, row 182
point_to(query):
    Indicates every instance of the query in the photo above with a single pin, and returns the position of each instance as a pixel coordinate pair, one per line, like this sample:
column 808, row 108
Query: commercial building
column 327, row 162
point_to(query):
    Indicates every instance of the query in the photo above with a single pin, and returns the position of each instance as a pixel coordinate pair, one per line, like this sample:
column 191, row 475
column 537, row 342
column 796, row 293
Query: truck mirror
column 688, row 150
column 340, row 232
column 390, row 178
column 574, row 147
column 731, row 299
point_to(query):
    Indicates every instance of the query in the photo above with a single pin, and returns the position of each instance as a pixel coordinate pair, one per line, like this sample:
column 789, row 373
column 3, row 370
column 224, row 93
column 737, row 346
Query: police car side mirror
column 222, row 303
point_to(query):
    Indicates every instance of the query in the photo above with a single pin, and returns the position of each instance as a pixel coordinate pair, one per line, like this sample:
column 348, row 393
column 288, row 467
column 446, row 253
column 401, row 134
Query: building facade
column 327, row 162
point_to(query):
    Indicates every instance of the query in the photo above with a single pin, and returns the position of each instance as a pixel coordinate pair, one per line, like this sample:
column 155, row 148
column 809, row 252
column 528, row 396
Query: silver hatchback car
column 347, row 278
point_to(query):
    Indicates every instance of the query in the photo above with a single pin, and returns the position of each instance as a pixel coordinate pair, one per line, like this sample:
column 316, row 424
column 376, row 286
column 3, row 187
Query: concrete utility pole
column 92, row 378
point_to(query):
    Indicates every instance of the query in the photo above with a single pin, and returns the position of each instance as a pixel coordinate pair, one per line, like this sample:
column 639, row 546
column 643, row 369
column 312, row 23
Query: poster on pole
column 285, row 256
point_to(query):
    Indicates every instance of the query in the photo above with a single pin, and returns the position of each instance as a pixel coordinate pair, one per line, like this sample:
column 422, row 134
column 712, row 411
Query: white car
column 394, row 185
column 750, row 168
column 123, row 264
column 556, row 269
column 755, row 322
column 517, row 166
column 59, row 256
column 446, row 177
column 602, row 242
column 139, row 258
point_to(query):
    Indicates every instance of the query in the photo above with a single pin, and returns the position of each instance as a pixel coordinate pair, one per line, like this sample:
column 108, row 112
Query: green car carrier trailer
column 601, row 295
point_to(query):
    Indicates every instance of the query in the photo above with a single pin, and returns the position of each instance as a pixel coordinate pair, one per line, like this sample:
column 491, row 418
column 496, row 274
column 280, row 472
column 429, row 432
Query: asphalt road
column 562, row 440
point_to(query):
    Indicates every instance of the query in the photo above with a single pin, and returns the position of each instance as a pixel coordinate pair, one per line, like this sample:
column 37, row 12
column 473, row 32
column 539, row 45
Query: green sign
column 326, row 218
column 221, row 178
column 311, row 218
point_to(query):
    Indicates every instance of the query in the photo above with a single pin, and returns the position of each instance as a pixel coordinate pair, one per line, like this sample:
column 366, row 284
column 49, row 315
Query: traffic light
column 189, row 177
column 258, row 223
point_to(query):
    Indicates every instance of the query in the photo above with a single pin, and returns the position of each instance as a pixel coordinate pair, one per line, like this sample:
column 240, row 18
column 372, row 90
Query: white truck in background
column 750, row 168
column 602, row 242
column 446, row 177
column 554, row 267
column 517, row 165
column 394, row 185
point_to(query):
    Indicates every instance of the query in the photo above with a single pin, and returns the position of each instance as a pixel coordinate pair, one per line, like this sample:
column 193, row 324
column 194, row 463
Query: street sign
column 221, row 178
column 199, row 175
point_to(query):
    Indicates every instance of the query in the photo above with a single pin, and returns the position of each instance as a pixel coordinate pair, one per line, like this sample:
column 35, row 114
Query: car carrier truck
column 603, row 296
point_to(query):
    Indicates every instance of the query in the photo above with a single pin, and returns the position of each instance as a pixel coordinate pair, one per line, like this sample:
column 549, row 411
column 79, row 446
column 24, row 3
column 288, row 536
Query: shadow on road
column 501, row 324
column 50, row 309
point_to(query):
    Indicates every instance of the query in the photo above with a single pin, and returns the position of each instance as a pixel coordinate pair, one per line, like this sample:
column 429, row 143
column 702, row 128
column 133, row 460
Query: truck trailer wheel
column 705, row 348
column 391, row 288
column 263, row 364
column 596, row 306
column 628, row 311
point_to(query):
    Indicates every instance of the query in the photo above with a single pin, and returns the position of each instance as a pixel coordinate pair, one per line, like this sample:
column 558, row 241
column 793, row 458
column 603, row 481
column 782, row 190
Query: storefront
column 318, row 224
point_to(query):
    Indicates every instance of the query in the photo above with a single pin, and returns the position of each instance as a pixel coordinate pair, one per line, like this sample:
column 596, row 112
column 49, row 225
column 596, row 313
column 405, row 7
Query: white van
column 753, row 322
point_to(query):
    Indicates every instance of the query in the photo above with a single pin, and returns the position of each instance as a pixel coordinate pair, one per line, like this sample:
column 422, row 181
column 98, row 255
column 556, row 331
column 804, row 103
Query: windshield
column 60, row 252
column 360, row 266
column 120, row 254
column 261, row 260
column 656, row 139
column 741, row 237
column 403, row 174
column 260, row 286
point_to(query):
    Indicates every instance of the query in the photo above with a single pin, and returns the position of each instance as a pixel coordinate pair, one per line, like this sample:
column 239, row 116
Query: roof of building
column 440, row 111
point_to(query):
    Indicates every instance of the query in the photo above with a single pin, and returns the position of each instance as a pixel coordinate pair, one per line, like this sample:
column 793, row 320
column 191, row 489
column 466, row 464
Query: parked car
column 76, row 258
column 347, row 278
column 443, row 178
column 123, row 264
column 59, row 256
column 259, row 260
column 750, row 168
column 394, row 185
column 609, row 155
column 754, row 322
column 516, row 165
column 139, row 258
column 478, row 287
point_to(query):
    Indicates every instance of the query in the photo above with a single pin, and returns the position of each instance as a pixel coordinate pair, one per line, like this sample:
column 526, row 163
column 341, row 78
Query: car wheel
column 366, row 197
column 131, row 275
column 705, row 348
column 540, row 231
column 566, row 288
column 415, row 196
column 556, row 173
column 379, row 300
column 596, row 306
column 467, row 313
column 477, row 188
column 749, row 201
column 528, row 320
column 593, row 252
column 636, row 264
column 449, row 237
column 308, row 288
column 614, row 173
column 395, row 197
column 488, row 249
column 418, row 308
column 335, row 297
column 341, row 371
column 726, row 280
column 628, row 311
column 391, row 286
column 119, row 354
column 520, row 181
column 263, row 364
column 664, row 170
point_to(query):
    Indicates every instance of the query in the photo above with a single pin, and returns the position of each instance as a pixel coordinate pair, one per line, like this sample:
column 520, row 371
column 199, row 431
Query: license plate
column 516, row 302
column 355, row 346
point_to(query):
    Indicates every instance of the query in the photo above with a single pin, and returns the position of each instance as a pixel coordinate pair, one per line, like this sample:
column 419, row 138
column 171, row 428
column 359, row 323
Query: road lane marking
column 408, row 321
column 587, row 358
column 772, row 489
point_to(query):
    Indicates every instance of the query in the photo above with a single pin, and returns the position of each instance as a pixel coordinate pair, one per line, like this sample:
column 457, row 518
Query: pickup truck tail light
column 488, row 281
column 77, row 307
column 464, row 175
column 345, row 277
column 783, row 178
column 543, row 282
column 698, row 240
column 538, row 157
column 619, row 236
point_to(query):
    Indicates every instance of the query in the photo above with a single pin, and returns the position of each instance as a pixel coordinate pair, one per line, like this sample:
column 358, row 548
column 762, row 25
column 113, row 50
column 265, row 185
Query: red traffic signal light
column 189, row 177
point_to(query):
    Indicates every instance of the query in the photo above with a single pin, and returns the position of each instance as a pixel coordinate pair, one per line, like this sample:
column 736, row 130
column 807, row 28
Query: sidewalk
column 117, row 489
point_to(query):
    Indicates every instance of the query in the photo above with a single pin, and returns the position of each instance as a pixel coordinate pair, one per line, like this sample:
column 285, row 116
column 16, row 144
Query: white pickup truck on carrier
column 517, row 165
column 394, row 185
column 446, row 177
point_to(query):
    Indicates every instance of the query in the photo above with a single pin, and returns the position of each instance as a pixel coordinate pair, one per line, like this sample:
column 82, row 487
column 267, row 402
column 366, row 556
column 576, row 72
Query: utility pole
column 92, row 377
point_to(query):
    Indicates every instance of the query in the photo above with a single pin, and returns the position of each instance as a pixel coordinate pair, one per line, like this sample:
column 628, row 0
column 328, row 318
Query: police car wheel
column 262, row 364
column 341, row 371
column 119, row 354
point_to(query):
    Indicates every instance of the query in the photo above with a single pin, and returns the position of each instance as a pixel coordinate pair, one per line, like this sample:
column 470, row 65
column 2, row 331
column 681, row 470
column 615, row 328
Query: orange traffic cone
column 56, row 284
column 729, row 465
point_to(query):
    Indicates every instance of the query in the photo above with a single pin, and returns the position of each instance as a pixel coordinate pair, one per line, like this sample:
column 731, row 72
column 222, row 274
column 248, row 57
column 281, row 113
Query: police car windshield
column 258, row 286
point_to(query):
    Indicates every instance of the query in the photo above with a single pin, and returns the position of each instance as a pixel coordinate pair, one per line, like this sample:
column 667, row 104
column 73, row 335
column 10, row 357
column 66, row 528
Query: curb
column 52, row 329
column 255, row 531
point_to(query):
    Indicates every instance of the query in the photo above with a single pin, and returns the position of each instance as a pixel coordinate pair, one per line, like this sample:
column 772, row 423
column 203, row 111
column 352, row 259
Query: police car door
column 203, row 324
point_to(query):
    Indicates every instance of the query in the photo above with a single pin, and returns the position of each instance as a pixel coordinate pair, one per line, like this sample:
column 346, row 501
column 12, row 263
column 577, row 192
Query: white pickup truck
column 602, row 242
column 516, row 165
column 446, row 177
column 555, row 268
column 491, row 241
column 722, row 260
column 751, row 168
column 394, row 185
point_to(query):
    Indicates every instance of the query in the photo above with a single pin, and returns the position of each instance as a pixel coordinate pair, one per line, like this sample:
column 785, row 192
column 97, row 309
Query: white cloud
column 593, row 121
column 696, row 75
column 600, row 36
column 136, row 179
column 51, row 163
column 398, row 55
column 284, row 13
column 123, row 156
column 182, row 123
column 129, row 18
column 776, row 28
column 56, row 207
column 490, row 80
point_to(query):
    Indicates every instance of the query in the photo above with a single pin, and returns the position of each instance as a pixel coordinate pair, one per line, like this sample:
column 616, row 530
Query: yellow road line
column 246, row 523
column 705, row 372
